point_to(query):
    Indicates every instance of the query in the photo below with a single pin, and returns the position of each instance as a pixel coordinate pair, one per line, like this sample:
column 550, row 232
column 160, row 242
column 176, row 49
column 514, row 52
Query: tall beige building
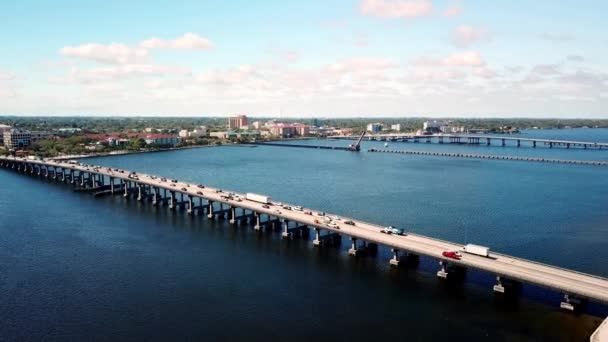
column 236, row 122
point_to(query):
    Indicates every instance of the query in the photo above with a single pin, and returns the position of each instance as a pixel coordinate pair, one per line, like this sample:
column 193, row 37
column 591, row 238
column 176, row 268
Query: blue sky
column 314, row 58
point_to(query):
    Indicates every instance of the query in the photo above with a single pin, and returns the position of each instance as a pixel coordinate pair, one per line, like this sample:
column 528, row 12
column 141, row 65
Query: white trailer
column 476, row 249
column 257, row 198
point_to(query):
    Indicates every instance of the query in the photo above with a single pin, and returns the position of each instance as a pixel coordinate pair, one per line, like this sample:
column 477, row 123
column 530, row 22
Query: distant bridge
column 510, row 271
column 487, row 140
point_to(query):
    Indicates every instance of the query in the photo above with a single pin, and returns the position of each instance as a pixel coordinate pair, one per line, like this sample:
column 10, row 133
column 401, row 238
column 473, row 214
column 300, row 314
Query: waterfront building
column 237, row 122
column 374, row 127
column 162, row 139
column 3, row 128
column 16, row 138
column 396, row 127
column 286, row 130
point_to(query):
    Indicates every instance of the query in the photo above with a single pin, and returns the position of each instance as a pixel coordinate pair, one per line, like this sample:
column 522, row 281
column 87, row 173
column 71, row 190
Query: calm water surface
column 74, row 267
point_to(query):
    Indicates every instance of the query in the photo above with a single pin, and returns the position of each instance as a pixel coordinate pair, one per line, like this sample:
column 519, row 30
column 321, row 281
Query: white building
column 374, row 127
column 3, row 128
column 396, row 127
column 196, row 133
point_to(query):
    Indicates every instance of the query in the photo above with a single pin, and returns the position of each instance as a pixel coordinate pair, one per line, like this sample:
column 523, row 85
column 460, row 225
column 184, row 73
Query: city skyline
column 355, row 58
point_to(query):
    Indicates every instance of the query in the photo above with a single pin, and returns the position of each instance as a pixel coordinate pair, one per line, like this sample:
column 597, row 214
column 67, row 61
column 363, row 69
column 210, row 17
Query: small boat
column 385, row 144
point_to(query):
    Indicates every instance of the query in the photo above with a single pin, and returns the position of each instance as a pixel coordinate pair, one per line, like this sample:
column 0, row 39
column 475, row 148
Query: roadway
column 556, row 278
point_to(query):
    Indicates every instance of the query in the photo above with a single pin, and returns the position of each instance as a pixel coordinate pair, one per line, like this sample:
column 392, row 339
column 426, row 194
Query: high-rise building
column 236, row 122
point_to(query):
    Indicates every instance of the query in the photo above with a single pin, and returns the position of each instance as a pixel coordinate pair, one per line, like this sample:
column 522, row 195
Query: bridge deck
column 560, row 279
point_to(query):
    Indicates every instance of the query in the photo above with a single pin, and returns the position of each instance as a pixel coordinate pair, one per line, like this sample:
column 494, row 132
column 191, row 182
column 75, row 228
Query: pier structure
column 576, row 287
column 493, row 156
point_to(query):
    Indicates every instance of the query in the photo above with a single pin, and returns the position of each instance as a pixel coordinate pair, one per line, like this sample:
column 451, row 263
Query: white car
column 298, row 208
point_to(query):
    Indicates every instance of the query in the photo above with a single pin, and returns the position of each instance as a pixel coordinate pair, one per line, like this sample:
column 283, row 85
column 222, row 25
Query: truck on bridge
column 257, row 198
column 476, row 249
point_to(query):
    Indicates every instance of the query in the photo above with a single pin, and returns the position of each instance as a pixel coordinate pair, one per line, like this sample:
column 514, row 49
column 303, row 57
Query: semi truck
column 476, row 249
column 257, row 198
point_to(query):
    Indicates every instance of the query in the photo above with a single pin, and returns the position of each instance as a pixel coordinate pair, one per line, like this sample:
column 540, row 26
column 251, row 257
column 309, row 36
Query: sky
column 328, row 58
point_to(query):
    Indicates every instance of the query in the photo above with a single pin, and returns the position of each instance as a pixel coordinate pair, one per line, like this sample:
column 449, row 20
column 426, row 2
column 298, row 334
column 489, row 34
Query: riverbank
column 125, row 152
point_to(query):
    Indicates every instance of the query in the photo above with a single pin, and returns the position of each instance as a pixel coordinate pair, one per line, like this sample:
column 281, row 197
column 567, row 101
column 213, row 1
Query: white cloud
column 113, row 53
column 469, row 58
column 357, row 65
column 6, row 76
column 452, row 11
column 465, row 35
column 396, row 8
column 189, row 41
column 120, row 53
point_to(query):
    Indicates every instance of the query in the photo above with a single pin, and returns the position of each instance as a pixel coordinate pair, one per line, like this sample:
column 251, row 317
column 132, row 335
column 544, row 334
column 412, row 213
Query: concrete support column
column 154, row 195
column 353, row 247
column 571, row 303
column 172, row 200
column 488, row 141
column 568, row 145
column 112, row 185
column 443, row 272
column 395, row 259
column 534, row 144
column 190, row 206
column 550, row 145
column 503, row 142
column 317, row 240
column 125, row 186
column 257, row 225
column 232, row 215
column 499, row 287
column 210, row 210
column 139, row 192
column 286, row 234
column 518, row 143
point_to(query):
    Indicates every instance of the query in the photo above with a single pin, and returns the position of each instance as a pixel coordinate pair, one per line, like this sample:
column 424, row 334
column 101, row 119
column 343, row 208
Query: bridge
column 480, row 140
column 293, row 221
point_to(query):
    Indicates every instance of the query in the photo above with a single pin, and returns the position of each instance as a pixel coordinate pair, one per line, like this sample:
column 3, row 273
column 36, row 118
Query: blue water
column 74, row 267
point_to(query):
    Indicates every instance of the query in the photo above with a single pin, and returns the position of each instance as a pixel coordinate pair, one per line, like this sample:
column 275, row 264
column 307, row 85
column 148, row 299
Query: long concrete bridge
column 293, row 221
column 487, row 140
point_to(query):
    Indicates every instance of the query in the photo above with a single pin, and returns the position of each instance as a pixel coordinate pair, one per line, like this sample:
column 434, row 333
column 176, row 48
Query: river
column 74, row 267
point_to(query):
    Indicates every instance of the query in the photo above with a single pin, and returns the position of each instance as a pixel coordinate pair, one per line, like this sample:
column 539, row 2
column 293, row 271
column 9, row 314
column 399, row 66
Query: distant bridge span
column 478, row 139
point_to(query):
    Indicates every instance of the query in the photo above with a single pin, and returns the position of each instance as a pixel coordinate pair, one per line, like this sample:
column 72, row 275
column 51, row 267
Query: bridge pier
column 503, row 142
column 286, row 234
column 232, row 215
column 353, row 249
column 499, row 287
column 257, row 225
column 518, row 143
column 572, row 303
column 443, row 272
column 172, row 200
column 395, row 259
column 317, row 240
column 190, row 206
column 534, row 144
column 210, row 214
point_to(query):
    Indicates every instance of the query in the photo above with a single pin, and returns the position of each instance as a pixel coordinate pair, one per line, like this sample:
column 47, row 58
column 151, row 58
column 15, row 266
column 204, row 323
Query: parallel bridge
column 472, row 139
column 575, row 286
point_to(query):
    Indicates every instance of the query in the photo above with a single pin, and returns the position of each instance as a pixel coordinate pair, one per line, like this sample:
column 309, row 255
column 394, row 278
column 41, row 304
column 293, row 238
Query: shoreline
column 126, row 152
